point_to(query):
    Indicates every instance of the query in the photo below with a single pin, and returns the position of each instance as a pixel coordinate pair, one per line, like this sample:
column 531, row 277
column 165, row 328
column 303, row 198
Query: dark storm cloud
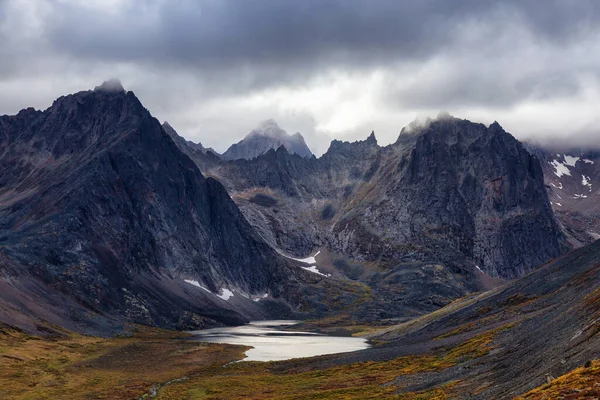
column 213, row 32
column 336, row 67
column 225, row 33
column 261, row 42
column 7, row 46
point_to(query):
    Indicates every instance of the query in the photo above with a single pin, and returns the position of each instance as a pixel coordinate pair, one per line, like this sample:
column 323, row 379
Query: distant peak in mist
column 266, row 136
column 110, row 86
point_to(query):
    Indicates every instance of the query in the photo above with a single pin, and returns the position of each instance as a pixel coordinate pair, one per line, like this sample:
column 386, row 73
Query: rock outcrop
column 185, row 145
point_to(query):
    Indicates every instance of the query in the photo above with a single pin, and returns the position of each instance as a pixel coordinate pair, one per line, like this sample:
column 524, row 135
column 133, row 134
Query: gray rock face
column 446, row 210
column 451, row 192
column 476, row 190
column 98, row 203
column 264, row 138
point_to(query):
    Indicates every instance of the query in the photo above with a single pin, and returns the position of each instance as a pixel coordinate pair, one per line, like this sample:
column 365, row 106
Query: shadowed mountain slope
column 97, row 203
column 448, row 209
column 453, row 185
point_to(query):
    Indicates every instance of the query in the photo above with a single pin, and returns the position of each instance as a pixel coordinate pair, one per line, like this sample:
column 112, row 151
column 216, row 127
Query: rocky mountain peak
column 99, row 172
column 419, row 125
column 496, row 126
column 27, row 111
column 70, row 125
column 266, row 136
column 269, row 128
column 444, row 115
column 339, row 147
column 372, row 139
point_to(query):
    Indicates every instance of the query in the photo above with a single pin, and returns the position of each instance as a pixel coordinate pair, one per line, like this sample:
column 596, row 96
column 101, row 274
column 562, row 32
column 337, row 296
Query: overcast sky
column 326, row 68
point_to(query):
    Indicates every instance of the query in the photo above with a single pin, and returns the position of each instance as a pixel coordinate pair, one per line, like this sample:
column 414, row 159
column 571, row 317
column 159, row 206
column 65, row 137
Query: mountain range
column 123, row 218
column 455, row 234
column 103, row 219
column 104, row 207
column 478, row 194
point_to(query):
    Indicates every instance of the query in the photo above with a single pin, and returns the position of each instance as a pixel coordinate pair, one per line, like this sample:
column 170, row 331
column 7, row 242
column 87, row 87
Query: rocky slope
column 268, row 135
column 449, row 208
column 103, row 218
column 572, row 178
column 184, row 144
column 545, row 324
column 451, row 191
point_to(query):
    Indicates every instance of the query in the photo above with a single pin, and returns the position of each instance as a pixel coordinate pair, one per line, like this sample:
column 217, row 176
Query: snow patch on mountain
column 259, row 298
column 197, row 284
column 315, row 270
column 560, row 168
column 585, row 181
column 226, row 294
column 310, row 260
column 571, row 161
column 307, row 260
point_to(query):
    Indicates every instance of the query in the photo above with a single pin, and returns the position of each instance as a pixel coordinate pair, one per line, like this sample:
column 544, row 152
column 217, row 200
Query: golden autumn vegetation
column 71, row 366
column 581, row 383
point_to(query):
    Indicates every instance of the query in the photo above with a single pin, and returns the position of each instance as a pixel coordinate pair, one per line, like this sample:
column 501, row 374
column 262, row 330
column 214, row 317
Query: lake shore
column 277, row 340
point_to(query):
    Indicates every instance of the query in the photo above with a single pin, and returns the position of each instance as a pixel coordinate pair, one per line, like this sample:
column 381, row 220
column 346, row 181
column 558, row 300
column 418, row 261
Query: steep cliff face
column 98, row 202
column 268, row 135
column 460, row 192
column 451, row 191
